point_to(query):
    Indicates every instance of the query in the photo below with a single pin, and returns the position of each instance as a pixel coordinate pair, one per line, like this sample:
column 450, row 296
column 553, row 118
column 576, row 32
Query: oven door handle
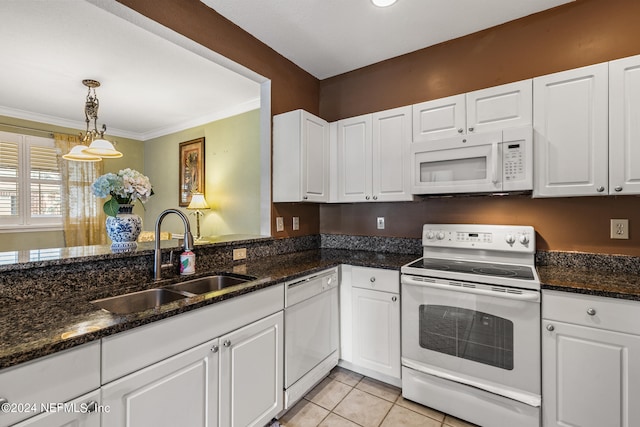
column 525, row 296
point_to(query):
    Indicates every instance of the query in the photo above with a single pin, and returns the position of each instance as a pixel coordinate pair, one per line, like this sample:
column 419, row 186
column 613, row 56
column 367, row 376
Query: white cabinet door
column 251, row 373
column 590, row 377
column 499, row 107
column 439, row 118
column 300, row 157
column 81, row 412
column 624, row 122
column 570, row 117
column 179, row 391
column 391, row 155
column 376, row 331
column 485, row 110
column 354, row 159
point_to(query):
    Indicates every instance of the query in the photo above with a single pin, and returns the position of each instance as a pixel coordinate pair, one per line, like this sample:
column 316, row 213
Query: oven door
column 466, row 164
column 484, row 336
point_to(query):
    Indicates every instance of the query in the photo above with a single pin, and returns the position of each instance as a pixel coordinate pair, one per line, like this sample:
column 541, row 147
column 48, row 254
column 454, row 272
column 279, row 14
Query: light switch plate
column 279, row 223
column 296, row 223
column 380, row 223
column 619, row 228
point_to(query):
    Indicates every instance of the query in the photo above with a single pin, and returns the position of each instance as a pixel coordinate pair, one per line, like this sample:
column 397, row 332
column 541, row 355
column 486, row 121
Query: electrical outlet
column 279, row 223
column 240, row 253
column 296, row 223
column 619, row 228
column 380, row 223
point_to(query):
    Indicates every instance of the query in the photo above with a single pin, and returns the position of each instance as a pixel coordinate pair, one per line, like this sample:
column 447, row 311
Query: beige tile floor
column 348, row 399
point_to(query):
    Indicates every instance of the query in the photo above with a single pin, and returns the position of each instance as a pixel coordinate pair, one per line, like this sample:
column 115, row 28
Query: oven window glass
column 466, row 169
column 469, row 334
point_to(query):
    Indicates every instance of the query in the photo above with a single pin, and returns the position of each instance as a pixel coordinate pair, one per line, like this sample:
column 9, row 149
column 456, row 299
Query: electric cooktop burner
column 479, row 268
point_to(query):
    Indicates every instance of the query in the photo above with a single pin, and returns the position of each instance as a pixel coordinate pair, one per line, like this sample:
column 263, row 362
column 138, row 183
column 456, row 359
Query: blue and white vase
column 124, row 229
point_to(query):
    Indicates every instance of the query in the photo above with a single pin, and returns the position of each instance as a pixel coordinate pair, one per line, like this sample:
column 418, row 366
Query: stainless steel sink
column 209, row 284
column 138, row 301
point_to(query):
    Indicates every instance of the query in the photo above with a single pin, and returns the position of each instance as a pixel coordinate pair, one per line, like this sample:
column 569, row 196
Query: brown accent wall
column 581, row 33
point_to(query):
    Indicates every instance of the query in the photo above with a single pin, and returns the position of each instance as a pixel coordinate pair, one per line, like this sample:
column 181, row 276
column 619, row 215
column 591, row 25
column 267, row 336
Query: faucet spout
column 188, row 240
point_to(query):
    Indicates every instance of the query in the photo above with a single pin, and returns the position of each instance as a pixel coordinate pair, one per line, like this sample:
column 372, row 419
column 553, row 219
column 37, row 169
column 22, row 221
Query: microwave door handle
column 494, row 163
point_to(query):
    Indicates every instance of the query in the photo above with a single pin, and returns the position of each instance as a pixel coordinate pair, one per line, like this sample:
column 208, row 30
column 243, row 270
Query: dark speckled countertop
column 35, row 328
column 591, row 281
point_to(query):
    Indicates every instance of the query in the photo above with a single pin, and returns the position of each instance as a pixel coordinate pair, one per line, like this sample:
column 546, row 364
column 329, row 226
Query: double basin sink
column 153, row 298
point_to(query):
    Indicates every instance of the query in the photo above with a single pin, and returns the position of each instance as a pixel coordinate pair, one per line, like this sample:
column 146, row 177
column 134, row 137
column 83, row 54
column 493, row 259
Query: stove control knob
column 524, row 239
column 510, row 239
column 431, row 235
column 440, row 235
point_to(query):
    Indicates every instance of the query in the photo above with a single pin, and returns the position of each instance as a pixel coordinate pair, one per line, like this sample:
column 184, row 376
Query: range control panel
column 477, row 236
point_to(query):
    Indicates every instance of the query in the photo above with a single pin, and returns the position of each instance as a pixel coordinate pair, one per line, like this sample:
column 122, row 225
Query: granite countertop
column 591, row 281
column 32, row 329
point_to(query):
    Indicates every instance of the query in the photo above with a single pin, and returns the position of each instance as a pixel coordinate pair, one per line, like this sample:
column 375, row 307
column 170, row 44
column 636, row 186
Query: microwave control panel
column 513, row 162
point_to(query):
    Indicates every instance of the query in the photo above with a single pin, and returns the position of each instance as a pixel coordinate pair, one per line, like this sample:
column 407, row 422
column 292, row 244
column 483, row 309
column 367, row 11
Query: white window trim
column 24, row 222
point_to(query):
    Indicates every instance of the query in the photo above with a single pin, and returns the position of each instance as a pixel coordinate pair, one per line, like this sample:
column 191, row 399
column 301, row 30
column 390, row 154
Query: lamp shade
column 77, row 154
column 103, row 148
column 198, row 202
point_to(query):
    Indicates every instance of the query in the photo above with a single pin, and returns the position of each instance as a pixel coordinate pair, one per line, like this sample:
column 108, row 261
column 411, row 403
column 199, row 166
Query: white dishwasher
column 311, row 332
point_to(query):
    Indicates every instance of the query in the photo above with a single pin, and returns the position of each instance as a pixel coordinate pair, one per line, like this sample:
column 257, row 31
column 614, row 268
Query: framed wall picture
column 191, row 170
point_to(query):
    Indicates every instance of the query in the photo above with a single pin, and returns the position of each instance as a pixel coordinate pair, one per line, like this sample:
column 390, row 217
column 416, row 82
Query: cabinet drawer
column 375, row 278
column 587, row 310
column 57, row 378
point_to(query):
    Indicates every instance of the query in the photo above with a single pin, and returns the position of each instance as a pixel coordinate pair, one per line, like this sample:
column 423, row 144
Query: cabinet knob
column 591, row 311
column 460, row 130
column 464, row 140
column 214, row 349
column 227, row 343
column 375, row 197
column 305, row 197
column 367, row 197
column 600, row 189
column 550, row 328
column 92, row 406
column 618, row 188
column 394, row 299
column 471, row 129
column 373, row 279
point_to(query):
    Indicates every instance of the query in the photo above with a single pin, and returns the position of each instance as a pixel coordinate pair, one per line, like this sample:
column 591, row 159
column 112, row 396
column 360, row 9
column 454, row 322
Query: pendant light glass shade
column 103, row 148
column 77, row 154
column 383, row 3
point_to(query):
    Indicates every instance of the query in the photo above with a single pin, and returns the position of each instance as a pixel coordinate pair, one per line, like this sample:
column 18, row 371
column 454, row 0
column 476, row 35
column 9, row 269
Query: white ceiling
column 331, row 37
column 149, row 86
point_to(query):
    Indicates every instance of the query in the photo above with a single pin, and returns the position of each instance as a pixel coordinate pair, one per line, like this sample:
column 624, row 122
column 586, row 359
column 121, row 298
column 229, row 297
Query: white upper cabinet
column 300, row 158
column 373, row 157
column 624, row 126
column 490, row 109
column 571, row 132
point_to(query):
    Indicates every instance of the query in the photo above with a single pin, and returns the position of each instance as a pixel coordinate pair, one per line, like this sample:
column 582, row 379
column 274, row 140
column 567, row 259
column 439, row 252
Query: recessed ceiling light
column 383, row 3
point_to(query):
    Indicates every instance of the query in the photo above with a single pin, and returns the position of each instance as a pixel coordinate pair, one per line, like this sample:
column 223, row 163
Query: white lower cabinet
column 50, row 386
column 165, row 374
column 181, row 390
column 370, row 322
column 80, row 412
column 590, row 361
column 376, row 326
column 251, row 373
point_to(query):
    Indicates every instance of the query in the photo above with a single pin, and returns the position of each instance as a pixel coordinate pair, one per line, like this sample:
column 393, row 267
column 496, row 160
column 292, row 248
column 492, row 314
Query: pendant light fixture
column 383, row 3
column 99, row 147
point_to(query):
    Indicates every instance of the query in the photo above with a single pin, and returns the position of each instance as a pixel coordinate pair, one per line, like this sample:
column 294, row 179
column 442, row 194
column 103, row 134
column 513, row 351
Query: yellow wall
column 232, row 176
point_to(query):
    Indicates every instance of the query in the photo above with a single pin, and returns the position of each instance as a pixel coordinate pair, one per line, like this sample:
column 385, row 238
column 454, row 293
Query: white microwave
column 491, row 162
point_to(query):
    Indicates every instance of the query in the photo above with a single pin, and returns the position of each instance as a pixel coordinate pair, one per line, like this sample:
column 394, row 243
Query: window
column 30, row 183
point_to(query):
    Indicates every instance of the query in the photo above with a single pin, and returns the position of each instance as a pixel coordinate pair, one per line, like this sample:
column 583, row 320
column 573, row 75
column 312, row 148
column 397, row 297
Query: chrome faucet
column 188, row 240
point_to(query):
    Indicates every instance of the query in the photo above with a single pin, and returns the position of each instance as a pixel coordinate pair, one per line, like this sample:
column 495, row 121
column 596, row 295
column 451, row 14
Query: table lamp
column 198, row 203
